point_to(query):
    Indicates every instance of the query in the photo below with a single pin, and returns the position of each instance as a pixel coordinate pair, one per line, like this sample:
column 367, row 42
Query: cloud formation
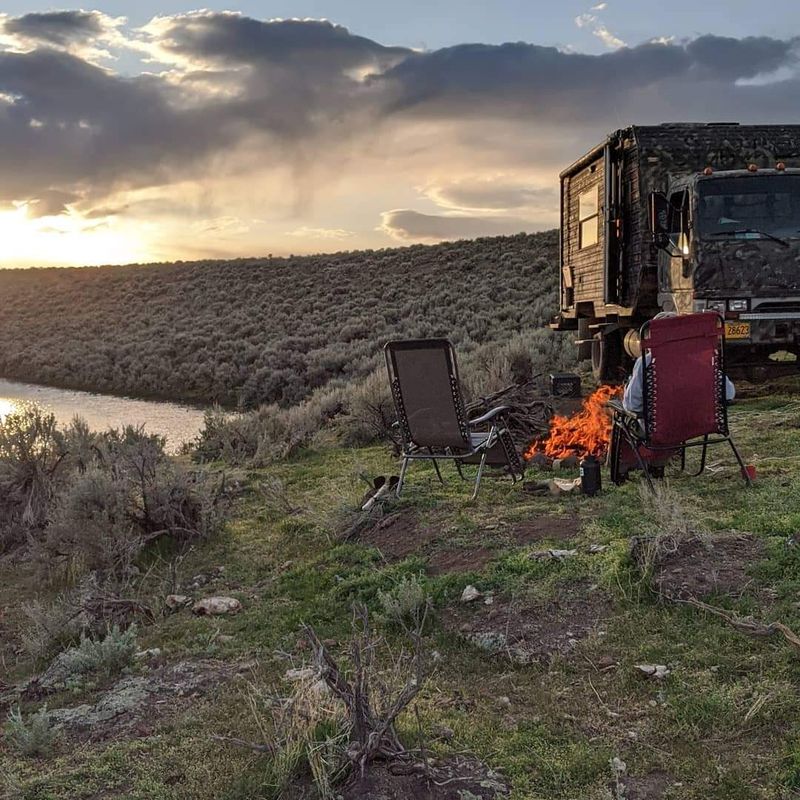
column 405, row 224
column 231, row 112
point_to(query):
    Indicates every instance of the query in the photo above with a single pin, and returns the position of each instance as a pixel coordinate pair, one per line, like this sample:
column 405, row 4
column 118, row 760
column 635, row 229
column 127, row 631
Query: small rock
column 606, row 662
column 218, row 570
column 200, row 580
column 300, row 674
column 556, row 555
column 175, row 601
column 618, row 766
column 598, row 548
column 225, row 638
column 154, row 652
column 657, row 671
column 217, row 605
column 570, row 462
column 444, row 733
column 488, row 600
column 503, row 702
column 436, row 656
column 469, row 594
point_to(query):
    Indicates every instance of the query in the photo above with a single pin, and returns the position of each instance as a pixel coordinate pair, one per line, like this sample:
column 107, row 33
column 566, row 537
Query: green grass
column 723, row 724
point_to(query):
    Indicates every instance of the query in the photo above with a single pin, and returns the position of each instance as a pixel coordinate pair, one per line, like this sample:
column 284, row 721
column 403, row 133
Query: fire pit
column 586, row 432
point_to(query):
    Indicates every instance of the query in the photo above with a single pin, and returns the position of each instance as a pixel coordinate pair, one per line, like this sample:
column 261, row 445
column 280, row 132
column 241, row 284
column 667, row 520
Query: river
column 178, row 423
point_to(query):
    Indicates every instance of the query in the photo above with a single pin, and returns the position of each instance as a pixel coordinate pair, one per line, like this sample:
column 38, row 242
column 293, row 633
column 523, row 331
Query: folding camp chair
column 684, row 398
column 430, row 413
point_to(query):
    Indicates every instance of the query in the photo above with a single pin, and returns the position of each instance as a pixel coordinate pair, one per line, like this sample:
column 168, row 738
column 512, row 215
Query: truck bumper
column 760, row 330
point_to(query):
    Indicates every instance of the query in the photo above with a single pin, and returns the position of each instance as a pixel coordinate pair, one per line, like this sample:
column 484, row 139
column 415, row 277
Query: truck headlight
column 738, row 305
column 716, row 305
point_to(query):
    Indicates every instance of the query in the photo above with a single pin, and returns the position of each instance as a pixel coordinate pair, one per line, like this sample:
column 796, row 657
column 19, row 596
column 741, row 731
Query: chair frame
column 411, row 451
column 635, row 429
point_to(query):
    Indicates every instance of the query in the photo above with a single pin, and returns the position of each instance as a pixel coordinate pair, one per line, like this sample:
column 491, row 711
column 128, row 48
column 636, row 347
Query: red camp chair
column 684, row 398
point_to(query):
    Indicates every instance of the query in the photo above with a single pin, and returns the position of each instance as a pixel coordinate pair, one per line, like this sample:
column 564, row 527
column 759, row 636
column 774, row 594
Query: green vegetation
column 31, row 736
column 271, row 330
column 550, row 708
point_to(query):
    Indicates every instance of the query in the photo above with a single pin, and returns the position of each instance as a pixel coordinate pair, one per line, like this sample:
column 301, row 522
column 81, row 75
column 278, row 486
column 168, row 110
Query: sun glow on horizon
column 67, row 240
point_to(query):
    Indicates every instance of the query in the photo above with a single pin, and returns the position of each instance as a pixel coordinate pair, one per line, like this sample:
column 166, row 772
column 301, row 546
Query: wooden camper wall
column 582, row 268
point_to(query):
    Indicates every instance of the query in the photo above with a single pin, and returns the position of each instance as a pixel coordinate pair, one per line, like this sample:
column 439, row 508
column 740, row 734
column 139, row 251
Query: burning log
column 587, row 432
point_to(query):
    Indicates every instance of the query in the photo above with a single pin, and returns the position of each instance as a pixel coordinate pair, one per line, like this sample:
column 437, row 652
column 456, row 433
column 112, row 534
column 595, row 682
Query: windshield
column 757, row 206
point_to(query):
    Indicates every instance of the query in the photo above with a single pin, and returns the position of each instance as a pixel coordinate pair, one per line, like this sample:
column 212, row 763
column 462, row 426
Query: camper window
column 589, row 217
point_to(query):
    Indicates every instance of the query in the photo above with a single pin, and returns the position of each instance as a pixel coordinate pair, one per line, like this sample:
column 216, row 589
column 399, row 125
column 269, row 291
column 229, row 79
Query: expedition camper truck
column 684, row 217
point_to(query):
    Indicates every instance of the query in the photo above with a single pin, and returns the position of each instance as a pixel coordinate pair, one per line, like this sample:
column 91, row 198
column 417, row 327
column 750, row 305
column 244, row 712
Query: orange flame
column 587, row 431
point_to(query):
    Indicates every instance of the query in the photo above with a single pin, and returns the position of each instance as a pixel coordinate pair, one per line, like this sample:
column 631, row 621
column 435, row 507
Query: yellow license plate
column 737, row 330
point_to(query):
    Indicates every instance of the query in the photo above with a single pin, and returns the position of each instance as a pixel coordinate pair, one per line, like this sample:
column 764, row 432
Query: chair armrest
column 615, row 404
column 489, row 415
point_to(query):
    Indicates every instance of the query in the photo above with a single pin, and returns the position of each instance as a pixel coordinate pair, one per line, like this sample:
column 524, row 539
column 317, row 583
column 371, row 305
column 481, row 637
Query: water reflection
column 178, row 423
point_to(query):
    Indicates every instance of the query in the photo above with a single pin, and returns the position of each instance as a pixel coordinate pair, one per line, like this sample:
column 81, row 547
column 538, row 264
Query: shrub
column 406, row 603
column 132, row 494
column 104, row 657
column 31, row 736
column 31, row 455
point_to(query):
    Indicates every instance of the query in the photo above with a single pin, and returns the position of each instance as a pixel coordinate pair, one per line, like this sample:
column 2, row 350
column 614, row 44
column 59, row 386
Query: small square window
column 589, row 232
column 589, row 217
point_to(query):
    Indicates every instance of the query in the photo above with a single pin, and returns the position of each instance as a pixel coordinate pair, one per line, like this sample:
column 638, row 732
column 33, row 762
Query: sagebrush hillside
column 266, row 330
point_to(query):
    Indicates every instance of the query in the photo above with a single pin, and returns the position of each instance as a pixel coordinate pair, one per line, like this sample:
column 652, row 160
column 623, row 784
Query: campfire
column 587, row 431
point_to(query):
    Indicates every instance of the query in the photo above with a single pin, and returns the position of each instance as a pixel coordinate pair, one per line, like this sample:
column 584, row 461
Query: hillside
column 540, row 678
column 269, row 330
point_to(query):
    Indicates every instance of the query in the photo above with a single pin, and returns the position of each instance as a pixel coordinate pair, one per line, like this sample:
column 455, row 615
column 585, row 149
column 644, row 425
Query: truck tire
column 584, row 350
column 607, row 362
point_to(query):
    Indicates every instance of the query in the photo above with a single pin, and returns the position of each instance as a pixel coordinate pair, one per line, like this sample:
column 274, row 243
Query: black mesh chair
column 430, row 413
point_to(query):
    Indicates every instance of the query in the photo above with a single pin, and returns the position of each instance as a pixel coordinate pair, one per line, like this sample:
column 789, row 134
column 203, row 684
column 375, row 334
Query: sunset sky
column 157, row 132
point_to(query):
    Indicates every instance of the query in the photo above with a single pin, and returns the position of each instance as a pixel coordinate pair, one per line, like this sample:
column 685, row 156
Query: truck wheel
column 584, row 350
column 607, row 366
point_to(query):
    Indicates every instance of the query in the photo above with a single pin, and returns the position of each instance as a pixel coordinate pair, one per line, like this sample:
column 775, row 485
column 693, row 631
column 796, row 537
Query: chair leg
column 402, row 478
column 480, row 473
column 436, row 466
column 744, row 472
column 458, row 467
column 702, row 457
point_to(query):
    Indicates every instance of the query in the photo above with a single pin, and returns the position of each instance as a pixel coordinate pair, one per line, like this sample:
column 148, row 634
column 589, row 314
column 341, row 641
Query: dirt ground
column 531, row 632
column 457, row 779
column 702, row 566
column 545, row 528
column 652, row 786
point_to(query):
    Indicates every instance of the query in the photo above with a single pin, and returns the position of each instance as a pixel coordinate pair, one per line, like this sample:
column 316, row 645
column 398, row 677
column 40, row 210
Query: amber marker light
column 780, row 166
column 752, row 168
column 708, row 171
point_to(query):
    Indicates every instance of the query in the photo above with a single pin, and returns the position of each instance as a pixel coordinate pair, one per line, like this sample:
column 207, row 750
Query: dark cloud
column 230, row 38
column 546, row 83
column 57, row 27
column 412, row 225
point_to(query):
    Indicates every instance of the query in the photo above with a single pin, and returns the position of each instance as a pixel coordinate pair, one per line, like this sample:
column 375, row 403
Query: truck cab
column 729, row 241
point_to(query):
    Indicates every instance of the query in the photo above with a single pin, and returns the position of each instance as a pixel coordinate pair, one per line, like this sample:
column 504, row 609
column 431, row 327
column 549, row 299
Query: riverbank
column 540, row 676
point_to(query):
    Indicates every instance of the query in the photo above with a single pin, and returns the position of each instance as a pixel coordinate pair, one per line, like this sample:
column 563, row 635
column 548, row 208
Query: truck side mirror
column 659, row 218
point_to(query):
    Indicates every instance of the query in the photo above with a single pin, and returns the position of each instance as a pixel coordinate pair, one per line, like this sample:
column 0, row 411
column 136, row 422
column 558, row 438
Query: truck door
column 675, row 273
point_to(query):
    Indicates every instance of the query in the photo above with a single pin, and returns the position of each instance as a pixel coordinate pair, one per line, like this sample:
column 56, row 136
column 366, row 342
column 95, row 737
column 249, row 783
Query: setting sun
column 66, row 239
